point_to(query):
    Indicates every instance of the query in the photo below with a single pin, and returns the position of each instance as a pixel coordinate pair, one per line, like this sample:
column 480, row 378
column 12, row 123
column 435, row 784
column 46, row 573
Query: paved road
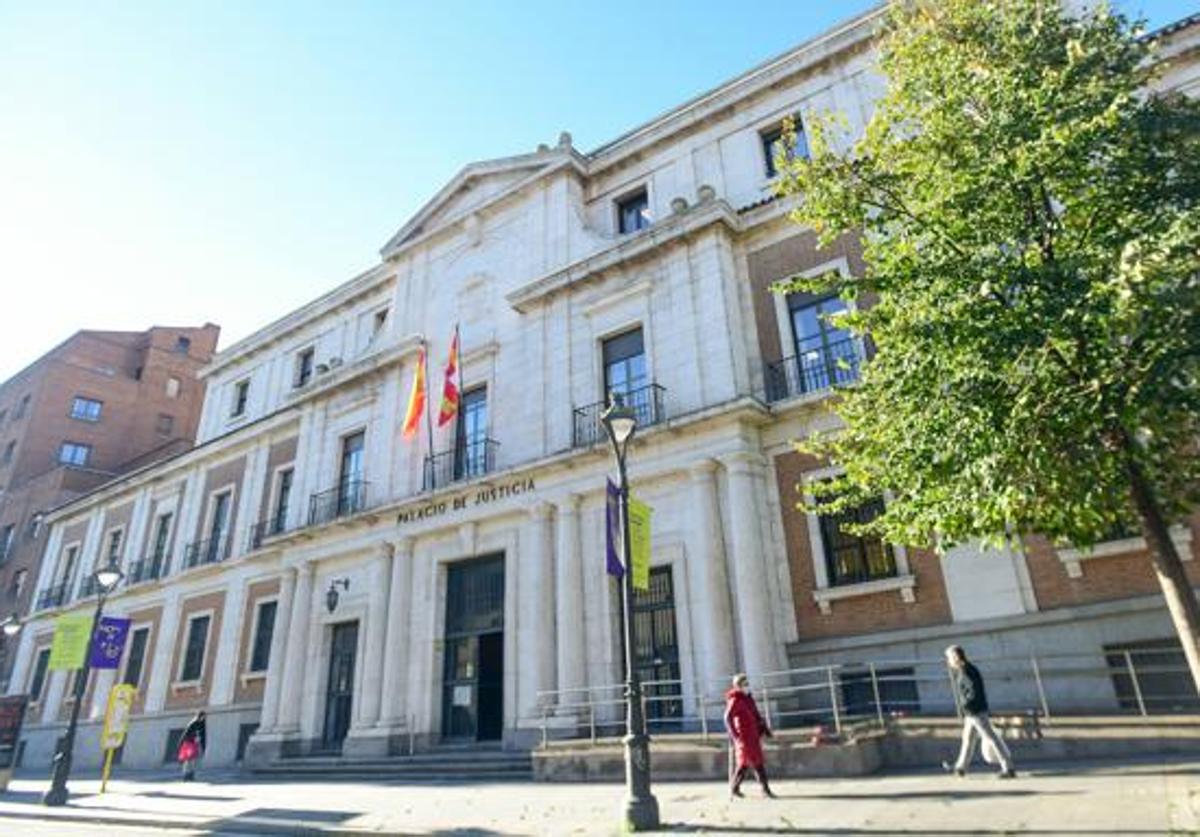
column 1098, row 799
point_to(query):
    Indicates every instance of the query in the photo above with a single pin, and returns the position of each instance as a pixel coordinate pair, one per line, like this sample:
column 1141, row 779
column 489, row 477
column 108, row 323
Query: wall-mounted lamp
column 331, row 595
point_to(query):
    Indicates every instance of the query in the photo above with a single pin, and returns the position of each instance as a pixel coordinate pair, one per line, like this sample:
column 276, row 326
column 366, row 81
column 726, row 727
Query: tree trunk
column 1177, row 589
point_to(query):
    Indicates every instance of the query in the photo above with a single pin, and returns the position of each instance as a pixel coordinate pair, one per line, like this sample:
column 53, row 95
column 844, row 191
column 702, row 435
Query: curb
column 211, row 825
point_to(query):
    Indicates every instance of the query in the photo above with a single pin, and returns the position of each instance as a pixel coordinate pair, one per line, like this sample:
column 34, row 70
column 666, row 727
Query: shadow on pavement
column 939, row 794
column 188, row 796
column 711, row 828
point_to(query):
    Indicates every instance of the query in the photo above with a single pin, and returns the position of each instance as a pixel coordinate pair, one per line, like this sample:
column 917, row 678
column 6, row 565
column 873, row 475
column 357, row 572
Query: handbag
column 189, row 750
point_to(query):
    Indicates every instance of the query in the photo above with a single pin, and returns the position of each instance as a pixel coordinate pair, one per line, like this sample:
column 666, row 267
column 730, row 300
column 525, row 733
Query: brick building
column 99, row 404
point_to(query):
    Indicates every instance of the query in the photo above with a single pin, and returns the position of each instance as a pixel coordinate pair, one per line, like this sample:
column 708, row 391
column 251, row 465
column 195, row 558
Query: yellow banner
column 639, row 536
column 116, row 717
column 70, row 644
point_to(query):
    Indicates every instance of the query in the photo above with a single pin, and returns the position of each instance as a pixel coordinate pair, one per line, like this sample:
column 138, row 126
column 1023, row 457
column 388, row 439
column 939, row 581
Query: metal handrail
column 464, row 461
column 646, row 402
column 346, row 499
column 207, row 551
column 52, row 597
column 821, row 695
column 147, row 569
column 269, row 527
column 814, row 370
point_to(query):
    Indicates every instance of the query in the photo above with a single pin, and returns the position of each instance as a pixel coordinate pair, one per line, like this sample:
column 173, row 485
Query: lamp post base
column 639, row 808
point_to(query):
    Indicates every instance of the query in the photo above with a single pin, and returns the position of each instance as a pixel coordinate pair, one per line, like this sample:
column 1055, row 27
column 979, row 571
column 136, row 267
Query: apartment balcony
column 147, row 569
column 646, row 402
column 815, row 370
column 207, row 551
column 269, row 528
column 52, row 597
column 345, row 500
column 460, row 463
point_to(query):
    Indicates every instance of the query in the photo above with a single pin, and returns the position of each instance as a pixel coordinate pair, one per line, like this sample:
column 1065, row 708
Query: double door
column 473, row 662
column 339, row 688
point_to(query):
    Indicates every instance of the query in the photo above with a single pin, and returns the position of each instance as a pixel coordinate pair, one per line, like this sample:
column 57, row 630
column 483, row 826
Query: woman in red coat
column 746, row 727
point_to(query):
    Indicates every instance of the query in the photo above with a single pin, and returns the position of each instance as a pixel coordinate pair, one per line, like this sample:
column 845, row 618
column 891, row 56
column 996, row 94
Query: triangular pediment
column 473, row 186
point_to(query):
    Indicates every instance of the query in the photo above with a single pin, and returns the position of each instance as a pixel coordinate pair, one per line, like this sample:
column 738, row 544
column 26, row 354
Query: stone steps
column 451, row 764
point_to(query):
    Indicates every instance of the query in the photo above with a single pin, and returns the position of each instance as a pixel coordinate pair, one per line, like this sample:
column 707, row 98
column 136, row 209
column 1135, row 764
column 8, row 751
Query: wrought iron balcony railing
column 147, row 569
column 89, row 587
column 346, row 499
column 820, row 368
column 52, row 597
column 274, row 525
column 207, row 551
column 462, row 462
column 647, row 403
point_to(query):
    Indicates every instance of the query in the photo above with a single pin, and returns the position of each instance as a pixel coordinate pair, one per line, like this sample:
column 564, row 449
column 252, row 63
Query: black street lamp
column 106, row 578
column 641, row 808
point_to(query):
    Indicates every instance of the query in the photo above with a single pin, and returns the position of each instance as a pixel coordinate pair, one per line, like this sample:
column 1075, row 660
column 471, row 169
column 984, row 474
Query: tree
column 1031, row 236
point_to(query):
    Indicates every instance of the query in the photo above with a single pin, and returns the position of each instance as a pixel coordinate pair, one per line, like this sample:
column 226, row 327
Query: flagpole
column 429, row 421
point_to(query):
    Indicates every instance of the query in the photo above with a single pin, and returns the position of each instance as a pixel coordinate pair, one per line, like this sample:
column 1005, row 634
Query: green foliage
column 1032, row 239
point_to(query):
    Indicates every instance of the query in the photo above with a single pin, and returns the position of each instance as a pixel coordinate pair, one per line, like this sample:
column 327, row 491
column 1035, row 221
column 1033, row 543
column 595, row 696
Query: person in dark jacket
column 972, row 699
column 192, row 744
column 746, row 727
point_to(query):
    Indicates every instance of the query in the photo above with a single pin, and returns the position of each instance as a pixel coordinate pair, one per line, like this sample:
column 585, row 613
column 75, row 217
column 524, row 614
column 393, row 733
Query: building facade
column 320, row 583
column 99, row 404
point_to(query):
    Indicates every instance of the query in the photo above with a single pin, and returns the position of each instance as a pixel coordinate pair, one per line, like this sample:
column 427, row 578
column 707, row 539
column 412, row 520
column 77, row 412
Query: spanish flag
column 449, row 407
column 416, row 400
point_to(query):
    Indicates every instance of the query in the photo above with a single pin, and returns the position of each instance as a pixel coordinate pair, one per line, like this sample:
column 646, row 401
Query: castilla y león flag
column 450, row 393
column 416, row 400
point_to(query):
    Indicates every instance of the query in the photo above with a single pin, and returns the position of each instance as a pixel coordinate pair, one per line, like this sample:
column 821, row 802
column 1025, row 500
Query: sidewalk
column 1147, row 797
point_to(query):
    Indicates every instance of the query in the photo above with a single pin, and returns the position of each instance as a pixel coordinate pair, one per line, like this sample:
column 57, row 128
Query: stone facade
column 426, row 592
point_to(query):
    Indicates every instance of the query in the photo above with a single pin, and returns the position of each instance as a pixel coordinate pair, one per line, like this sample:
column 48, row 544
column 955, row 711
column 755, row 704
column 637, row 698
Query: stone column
column 164, row 652
column 712, row 617
column 757, row 634
column 395, row 654
column 569, row 602
column 225, row 665
column 283, row 617
column 297, row 651
column 377, row 602
column 536, row 629
column 19, row 671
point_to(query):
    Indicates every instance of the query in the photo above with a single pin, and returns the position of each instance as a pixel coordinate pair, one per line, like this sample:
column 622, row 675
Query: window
column 304, row 367
column 164, row 425
column 35, row 525
column 772, row 144
column 351, row 490
column 73, row 453
column 624, row 364
column 260, row 654
column 22, row 406
column 633, row 212
column 283, row 496
column 173, row 385
column 220, row 518
column 241, row 392
column 85, row 409
column 9, row 449
column 114, row 547
column 1163, row 683
column 39, row 675
column 471, row 447
column 135, row 660
column 897, row 691
column 850, row 559
column 825, row 354
column 3, row 415
column 378, row 323
column 69, row 564
column 162, row 531
column 193, row 655
column 17, row 585
column 183, row 345
column 6, row 539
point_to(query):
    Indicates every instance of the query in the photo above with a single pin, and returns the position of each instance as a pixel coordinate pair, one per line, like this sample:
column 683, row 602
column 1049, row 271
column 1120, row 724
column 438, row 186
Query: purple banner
column 109, row 641
column 612, row 527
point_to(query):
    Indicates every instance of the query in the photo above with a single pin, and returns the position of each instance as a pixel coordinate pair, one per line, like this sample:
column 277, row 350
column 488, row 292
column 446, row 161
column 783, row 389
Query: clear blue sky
column 174, row 162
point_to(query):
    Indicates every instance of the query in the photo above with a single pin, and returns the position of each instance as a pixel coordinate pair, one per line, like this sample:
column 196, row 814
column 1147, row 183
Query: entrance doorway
column 657, row 657
column 339, row 691
column 473, row 666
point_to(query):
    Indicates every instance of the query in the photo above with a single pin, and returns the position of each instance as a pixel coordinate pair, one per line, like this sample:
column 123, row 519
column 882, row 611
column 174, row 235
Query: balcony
column 462, row 462
column 207, row 551
column 646, row 402
column 820, row 368
column 269, row 528
column 347, row 499
column 148, row 569
column 52, row 597
column 89, row 587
